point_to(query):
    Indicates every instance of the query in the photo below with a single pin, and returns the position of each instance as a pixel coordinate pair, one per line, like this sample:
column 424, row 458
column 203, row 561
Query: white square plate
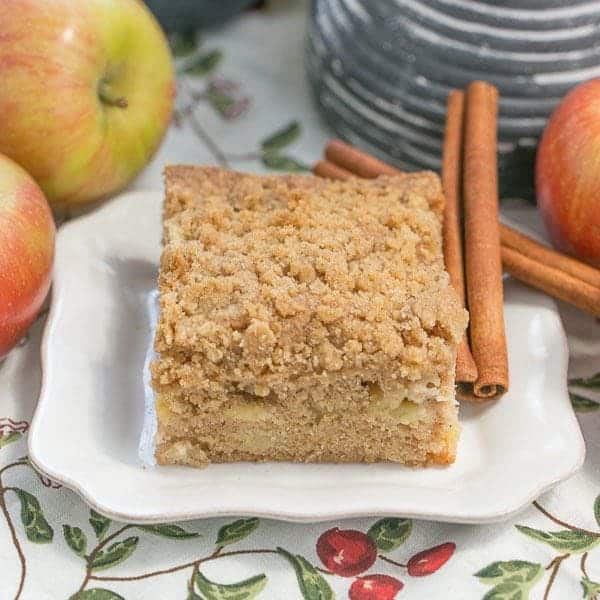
column 87, row 425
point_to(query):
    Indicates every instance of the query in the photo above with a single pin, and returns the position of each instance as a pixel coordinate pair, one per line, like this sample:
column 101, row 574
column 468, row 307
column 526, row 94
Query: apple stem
column 120, row 102
column 107, row 98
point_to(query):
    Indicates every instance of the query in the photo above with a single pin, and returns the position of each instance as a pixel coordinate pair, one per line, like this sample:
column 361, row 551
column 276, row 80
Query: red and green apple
column 86, row 94
column 568, row 173
column 26, row 252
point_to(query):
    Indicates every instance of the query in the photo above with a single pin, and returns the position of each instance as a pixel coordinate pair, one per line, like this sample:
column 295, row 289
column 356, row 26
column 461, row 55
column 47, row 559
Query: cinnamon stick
column 554, row 281
column 357, row 162
column 482, row 241
column 466, row 370
column 324, row 168
column 546, row 256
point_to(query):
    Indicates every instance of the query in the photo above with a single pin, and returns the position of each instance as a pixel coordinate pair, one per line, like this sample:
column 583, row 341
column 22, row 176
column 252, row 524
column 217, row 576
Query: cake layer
column 411, row 434
column 195, row 380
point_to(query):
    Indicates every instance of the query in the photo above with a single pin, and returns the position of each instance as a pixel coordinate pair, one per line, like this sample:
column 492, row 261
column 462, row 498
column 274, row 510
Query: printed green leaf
column 592, row 382
column 204, row 63
column 566, row 540
column 99, row 523
column 115, row 554
column 182, row 43
column 75, row 539
column 583, row 404
column 281, row 162
column 591, row 589
column 169, row 531
column 236, row 531
column 191, row 592
column 312, row 584
column 597, row 509
column 507, row 591
column 243, row 590
column 516, row 571
column 37, row 528
column 512, row 579
column 389, row 534
column 9, row 438
column 281, row 138
column 97, row 594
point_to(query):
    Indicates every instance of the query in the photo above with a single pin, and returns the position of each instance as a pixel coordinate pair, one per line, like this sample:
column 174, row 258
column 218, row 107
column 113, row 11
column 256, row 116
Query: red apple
column 568, row 173
column 26, row 252
column 86, row 93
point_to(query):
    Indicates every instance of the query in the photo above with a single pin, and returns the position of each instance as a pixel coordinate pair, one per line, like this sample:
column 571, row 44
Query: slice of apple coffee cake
column 303, row 319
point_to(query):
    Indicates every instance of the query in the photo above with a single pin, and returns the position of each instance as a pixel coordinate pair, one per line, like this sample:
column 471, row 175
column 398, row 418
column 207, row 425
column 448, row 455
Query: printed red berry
column 429, row 561
column 346, row 552
column 375, row 587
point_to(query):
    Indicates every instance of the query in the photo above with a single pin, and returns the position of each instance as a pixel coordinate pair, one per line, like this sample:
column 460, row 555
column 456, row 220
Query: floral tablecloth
column 243, row 102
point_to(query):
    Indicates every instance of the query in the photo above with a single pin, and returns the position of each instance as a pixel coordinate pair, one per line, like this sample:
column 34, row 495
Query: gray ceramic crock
column 381, row 70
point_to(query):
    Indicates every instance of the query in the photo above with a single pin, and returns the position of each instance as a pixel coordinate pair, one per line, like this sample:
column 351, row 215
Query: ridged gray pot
column 381, row 71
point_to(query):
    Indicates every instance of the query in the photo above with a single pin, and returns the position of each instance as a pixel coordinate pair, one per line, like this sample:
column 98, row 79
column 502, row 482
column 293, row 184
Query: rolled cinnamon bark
column 553, row 281
column 466, row 370
column 324, row 168
column 544, row 255
column 357, row 162
column 482, row 241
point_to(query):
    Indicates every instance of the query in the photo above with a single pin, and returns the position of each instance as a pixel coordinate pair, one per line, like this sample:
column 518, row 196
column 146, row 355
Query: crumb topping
column 292, row 275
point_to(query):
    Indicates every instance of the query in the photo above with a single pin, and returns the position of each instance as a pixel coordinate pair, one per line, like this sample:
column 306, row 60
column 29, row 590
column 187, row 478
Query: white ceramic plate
column 87, row 425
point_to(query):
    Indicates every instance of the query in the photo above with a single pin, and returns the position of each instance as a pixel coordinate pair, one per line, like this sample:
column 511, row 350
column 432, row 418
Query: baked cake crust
column 309, row 306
